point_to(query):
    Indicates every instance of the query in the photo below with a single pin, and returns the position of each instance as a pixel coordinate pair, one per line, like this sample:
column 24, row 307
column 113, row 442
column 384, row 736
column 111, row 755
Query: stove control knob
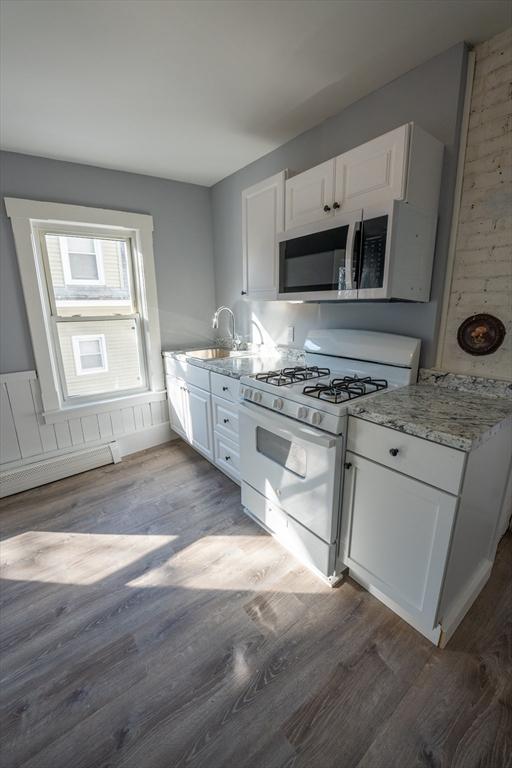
column 278, row 404
column 302, row 412
column 316, row 418
column 257, row 397
column 247, row 393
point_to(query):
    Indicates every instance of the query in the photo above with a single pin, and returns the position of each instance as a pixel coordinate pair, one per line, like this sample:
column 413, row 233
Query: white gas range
column 292, row 435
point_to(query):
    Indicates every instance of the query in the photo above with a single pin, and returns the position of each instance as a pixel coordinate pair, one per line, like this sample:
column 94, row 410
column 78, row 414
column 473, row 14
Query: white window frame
column 66, row 264
column 78, row 354
column 27, row 217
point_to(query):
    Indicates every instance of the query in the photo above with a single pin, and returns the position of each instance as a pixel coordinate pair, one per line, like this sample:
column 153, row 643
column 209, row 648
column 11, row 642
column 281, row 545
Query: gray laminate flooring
column 146, row 622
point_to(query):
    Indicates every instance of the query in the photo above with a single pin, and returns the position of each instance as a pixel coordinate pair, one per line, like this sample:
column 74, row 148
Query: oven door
column 294, row 466
column 316, row 262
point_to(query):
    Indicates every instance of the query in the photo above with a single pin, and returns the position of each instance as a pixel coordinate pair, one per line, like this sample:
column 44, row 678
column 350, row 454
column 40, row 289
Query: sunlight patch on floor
column 73, row 558
column 217, row 563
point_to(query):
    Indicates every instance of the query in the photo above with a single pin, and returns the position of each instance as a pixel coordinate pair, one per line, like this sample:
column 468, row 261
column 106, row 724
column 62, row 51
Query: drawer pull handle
column 225, row 389
column 394, row 451
column 348, row 464
column 226, row 421
column 227, row 458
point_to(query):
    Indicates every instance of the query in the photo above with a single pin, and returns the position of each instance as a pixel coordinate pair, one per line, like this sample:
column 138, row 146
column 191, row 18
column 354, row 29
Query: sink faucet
column 215, row 324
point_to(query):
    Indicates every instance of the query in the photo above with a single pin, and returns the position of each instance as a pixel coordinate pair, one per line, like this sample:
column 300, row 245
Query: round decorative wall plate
column 481, row 334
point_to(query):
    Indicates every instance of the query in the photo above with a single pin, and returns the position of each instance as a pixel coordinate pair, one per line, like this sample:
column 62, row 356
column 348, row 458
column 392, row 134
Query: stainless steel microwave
column 379, row 253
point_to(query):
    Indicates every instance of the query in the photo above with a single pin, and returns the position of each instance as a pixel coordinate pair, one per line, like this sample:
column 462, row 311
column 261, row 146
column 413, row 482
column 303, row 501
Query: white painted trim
column 76, row 214
column 462, row 606
column 457, row 197
column 145, row 438
column 102, row 406
column 5, row 378
column 78, row 354
column 26, row 215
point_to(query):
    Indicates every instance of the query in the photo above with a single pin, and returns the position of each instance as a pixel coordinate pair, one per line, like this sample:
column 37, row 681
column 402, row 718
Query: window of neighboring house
column 82, row 261
column 91, row 301
column 90, row 354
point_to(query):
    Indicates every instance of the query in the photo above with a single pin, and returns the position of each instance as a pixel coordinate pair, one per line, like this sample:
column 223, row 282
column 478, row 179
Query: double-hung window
column 94, row 278
column 94, row 319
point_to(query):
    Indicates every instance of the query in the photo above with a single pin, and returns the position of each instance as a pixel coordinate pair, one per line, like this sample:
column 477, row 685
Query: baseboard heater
column 27, row 476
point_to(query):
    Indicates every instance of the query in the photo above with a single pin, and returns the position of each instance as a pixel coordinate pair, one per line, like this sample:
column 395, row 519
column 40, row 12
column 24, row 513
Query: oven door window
column 372, row 255
column 289, row 455
column 316, row 262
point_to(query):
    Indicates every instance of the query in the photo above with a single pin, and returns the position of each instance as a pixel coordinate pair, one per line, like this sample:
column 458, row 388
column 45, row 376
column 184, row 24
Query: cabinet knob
column 243, row 293
column 394, row 451
column 225, row 389
column 226, row 421
column 348, row 464
column 335, row 205
column 327, row 208
column 227, row 458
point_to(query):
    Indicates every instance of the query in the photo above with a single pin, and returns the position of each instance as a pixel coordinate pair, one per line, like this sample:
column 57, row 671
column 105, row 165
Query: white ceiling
column 196, row 89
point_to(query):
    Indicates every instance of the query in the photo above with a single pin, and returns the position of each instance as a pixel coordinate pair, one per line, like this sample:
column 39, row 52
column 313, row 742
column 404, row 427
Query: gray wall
column 431, row 95
column 182, row 244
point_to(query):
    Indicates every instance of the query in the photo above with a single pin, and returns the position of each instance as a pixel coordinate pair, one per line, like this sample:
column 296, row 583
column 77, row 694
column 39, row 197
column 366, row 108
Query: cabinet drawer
column 225, row 386
column 192, row 374
column 225, row 418
column 227, row 456
column 430, row 462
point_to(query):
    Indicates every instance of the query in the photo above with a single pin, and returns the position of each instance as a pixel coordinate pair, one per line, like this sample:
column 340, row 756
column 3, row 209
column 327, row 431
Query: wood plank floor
column 146, row 622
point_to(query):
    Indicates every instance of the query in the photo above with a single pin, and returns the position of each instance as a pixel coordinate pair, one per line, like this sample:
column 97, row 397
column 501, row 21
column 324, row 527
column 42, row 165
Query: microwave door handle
column 350, row 254
column 297, row 431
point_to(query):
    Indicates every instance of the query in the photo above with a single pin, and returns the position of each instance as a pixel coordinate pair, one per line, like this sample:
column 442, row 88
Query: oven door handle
column 256, row 413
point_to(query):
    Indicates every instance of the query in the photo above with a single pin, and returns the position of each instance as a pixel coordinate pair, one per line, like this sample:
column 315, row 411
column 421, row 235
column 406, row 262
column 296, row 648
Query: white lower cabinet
column 190, row 414
column 396, row 537
column 420, row 521
column 206, row 420
column 198, row 419
column 227, row 456
column 176, row 405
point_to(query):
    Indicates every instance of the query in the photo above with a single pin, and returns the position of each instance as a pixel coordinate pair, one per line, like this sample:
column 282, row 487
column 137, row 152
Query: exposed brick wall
column 482, row 277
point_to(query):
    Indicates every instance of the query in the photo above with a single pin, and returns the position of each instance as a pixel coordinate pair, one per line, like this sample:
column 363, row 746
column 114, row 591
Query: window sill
column 102, row 406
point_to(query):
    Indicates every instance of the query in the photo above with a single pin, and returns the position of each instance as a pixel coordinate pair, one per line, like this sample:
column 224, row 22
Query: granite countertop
column 462, row 420
column 245, row 363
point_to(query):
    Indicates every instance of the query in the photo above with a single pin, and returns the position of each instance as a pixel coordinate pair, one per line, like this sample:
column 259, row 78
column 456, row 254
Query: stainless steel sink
column 215, row 353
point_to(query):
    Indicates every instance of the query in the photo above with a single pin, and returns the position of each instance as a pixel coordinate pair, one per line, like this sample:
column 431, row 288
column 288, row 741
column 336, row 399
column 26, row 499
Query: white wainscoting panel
column 25, row 438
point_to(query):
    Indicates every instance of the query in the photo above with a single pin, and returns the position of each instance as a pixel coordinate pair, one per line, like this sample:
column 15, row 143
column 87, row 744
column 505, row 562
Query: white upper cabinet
column 374, row 172
column 309, row 195
column 262, row 218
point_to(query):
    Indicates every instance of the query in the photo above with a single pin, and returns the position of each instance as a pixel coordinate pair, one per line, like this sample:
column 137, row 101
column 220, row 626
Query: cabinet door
column 308, row 193
column 262, row 218
column 198, row 419
column 395, row 538
column 373, row 173
column 175, row 390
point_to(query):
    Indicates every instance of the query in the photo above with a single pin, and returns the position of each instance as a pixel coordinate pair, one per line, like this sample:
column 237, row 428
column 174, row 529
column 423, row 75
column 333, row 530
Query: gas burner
column 292, row 375
column 347, row 388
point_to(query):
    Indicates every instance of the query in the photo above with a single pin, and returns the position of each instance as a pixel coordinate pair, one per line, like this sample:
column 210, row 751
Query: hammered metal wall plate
column 481, row 334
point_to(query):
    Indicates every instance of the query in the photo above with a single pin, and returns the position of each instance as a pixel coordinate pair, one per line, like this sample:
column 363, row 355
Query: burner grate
column 347, row 388
column 293, row 375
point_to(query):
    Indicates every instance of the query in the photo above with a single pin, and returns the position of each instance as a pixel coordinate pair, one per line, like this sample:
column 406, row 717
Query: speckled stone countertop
column 466, row 383
column 245, row 363
column 457, row 419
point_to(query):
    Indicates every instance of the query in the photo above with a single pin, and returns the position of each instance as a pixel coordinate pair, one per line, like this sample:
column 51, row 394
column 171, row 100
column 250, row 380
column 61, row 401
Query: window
column 82, row 261
column 90, row 354
column 89, row 282
column 92, row 309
